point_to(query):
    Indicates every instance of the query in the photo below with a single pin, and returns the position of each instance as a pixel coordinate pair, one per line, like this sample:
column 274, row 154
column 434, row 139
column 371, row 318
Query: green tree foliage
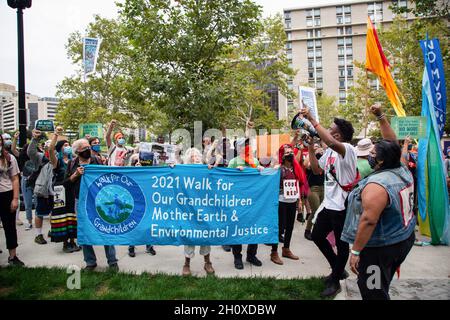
column 425, row 8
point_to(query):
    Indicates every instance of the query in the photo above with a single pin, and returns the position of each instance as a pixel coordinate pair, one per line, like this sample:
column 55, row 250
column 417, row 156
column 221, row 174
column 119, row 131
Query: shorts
column 44, row 206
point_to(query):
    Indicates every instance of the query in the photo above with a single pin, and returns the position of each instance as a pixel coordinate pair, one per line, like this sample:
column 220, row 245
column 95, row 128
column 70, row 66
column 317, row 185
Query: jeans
column 388, row 259
column 28, row 198
column 91, row 259
column 315, row 198
column 327, row 221
column 8, row 219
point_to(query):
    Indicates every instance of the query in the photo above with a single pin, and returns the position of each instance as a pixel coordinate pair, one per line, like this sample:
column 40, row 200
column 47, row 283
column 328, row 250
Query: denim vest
column 397, row 221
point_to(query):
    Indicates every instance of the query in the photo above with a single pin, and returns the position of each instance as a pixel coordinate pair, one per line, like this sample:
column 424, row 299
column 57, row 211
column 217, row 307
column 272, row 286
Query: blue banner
column 183, row 205
column 91, row 47
column 435, row 70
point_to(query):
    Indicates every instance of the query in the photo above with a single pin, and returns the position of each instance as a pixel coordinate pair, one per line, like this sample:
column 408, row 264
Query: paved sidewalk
column 422, row 265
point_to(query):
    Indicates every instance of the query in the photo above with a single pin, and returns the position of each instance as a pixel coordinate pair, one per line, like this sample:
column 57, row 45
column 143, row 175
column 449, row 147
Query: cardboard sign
column 44, row 125
column 156, row 153
column 415, row 127
column 60, row 197
column 290, row 189
column 308, row 96
column 92, row 129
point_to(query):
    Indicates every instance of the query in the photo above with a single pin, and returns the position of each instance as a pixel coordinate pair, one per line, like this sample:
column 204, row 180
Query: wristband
column 355, row 253
column 381, row 116
column 315, row 126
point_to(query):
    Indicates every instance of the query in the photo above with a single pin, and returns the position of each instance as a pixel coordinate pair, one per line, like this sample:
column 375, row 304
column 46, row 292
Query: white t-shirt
column 118, row 157
column 7, row 173
column 334, row 196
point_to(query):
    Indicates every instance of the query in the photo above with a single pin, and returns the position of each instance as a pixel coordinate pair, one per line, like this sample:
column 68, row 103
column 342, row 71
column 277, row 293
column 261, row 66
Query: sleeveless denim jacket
column 397, row 221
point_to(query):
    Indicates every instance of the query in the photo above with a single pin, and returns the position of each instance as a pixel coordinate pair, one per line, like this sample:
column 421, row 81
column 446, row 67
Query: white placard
column 290, row 189
column 308, row 96
column 59, row 199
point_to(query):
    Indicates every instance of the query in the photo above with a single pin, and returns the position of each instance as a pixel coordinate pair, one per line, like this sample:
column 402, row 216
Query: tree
column 327, row 109
column 425, row 8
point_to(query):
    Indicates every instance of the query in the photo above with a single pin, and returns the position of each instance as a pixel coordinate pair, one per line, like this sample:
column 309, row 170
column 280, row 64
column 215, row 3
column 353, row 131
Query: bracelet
column 381, row 116
column 355, row 253
column 315, row 126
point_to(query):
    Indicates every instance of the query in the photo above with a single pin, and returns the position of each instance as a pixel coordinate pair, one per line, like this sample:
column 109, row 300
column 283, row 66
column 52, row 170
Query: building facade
column 37, row 108
column 324, row 41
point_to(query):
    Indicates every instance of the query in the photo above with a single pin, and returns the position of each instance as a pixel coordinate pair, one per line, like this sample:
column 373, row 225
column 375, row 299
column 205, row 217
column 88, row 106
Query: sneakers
column 300, row 218
column 254, row 261
column 209, row 268
column 15, row 262
column 74, row 247
column 287, row 253
column 186, row 270
column 19, row 222
column 131, row 252
column 67, row 248
column 226, row 248
column 238, row 263
column 113, row 267
column 275, row 258
column 308, row 235
column 90, row 268
column 344, row 276
column 40, row 239
column 150, row 250
column 28, row 227
column 332, row 289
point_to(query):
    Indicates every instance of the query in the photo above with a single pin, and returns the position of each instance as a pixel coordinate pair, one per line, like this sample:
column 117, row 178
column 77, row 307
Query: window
column 316, row 12
column 319, row 74
column 340, row 20
column 348, row 41
column 348, row 30
column 289, row 35
column 341, row 72
column 400, row 4
column 289, row 45
column 288, row 24
column 319, row 53
column 310, row 53
column 311, row 64
column 289, row 55
column 375, row 11
column 317, row 22
column 309, row 22
column 350, row 72
column 309, row 13
column 340, row 41
column 341, row 62
column 342, row 95
column 341, row 84
column 319, row 85
column 339, row 10
column 349, row 51
column 290, row 84
column 319, row 63
column 348, row 19
column 349, row 83
column 347, row 9
column 287, row 14
column 310, row 44
column 340, row 51
column 317, row 33
column 349, row 60
column 318, row 43
column 310, row 74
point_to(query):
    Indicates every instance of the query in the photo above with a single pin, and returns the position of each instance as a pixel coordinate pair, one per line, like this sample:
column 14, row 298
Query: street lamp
column 20, row 5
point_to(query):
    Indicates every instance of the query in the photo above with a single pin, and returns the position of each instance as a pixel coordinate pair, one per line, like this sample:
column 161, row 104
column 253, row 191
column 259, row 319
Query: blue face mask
column 68, row 151
column 372, row 161
column 121, row 141
column 8, row 143
column 96, row 148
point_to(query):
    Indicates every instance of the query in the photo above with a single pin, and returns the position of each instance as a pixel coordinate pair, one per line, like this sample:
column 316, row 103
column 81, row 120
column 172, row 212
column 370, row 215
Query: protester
column 409, row 159
column 26, row 167
column 194, row 156
column 315, row 182
column 380, row 219
column 207, row 144
column 287, row 203
column 245, row 159
column 75, row 170
column 118, row 153
column 94, row 142
column 9, row 201
column 339, row 165
column 42, row 181
column 63, row 218
column 362, row 151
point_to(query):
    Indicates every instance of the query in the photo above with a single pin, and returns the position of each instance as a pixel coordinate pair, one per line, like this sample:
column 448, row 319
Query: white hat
column 363, row 148
column 6, row 136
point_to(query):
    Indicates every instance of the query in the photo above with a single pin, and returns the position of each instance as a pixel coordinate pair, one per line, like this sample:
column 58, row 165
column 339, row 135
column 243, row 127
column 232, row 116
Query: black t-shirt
column 314, row 179
column 73, row 188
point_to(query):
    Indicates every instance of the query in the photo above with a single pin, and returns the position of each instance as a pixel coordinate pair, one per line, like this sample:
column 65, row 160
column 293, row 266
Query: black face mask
column 86, row 154
column 289, row 157
column 319, row 155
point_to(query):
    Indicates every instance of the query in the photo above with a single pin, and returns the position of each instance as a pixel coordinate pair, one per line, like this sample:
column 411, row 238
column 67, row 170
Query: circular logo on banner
column 119, row 204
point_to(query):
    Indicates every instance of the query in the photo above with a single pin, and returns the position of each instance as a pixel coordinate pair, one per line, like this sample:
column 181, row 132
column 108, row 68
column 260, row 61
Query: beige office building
column 324, row 41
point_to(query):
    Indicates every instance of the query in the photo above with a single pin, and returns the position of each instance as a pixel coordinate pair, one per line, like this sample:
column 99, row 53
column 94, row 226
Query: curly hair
column 346, row 129
column 389, row 152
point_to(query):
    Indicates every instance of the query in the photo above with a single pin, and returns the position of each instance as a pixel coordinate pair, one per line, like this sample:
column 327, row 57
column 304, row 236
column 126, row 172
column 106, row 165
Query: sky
column 47, row 25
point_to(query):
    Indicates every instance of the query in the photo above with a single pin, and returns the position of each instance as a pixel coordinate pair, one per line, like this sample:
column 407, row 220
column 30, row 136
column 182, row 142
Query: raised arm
column 32, row 150
column 109, row 132
column 14, row 144
column 52, row 152
column 386, row 130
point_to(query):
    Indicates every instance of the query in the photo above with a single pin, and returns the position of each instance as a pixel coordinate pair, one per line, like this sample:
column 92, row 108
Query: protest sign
column 415, row 127
column 183, row 205
column 307, row 95
column 44, row 125
column 59, row 198
column 91, row 48
column 91, row 129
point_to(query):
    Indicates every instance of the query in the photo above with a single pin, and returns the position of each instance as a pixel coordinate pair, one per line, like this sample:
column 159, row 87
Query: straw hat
column 363, row 148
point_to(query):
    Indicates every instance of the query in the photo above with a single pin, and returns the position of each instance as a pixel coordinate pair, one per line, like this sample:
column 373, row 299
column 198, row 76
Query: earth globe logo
column 114, row 204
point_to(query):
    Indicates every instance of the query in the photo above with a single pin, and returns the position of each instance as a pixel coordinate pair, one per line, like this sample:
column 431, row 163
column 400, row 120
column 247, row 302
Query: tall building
column 324, row 41
column 37, row 108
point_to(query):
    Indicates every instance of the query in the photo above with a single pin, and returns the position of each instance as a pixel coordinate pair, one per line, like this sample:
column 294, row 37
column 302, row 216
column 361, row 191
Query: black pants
column 8, row 219
column 251, row 250
column 327, row 221
column 286, row 220
column 377, row 267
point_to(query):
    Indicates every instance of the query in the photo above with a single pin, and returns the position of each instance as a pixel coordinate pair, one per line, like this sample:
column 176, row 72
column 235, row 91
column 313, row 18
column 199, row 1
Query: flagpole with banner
column 377, row 63
column 91, row 48
column 433, row 200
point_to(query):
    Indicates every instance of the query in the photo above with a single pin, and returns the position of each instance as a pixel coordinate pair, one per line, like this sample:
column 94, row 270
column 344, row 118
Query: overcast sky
column 47, row 25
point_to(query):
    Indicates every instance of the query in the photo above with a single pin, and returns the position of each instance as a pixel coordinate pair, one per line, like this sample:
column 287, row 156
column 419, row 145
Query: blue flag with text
column 183, row 205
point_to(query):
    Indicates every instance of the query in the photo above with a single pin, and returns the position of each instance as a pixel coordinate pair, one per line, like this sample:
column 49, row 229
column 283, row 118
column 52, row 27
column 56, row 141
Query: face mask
column 319, row 155
column 289, row 157
column 86, row 154
column 67, row 150
column 121, row 141
column 8, row 143
column 372, row 161
column 96, row 148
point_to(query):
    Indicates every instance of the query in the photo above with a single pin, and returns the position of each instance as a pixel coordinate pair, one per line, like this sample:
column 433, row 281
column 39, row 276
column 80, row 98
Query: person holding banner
column 380, row 219
column 118, row 153
column 75, row 170
column 245, row 159
column 9, row 201
column 194, row 156
column 341, row 175
column 94, row 142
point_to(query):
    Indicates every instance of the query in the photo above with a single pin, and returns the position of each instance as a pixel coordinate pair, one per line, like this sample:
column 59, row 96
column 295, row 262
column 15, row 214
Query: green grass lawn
column 46, row 283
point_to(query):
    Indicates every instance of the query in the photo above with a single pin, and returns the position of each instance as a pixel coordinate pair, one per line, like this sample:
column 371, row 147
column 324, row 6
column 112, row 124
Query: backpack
column 31, row 182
